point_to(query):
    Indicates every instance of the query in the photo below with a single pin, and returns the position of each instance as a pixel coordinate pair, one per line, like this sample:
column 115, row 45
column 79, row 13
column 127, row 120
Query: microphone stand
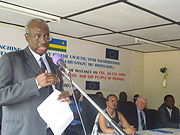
column 114, row 124
column 76, row 104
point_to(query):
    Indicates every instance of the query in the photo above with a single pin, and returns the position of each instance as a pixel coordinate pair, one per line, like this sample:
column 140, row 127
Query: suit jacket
column 131, row 115
column 0, row 118
column 163, row 119
column 19, row 93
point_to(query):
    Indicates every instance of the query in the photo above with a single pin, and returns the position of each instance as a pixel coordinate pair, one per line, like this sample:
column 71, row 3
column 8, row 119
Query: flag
column 112, row 54
column 58, row 45
column 90, row 85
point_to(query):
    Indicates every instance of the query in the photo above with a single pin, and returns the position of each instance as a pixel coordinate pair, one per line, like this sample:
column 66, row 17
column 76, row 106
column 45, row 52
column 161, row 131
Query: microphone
column 59, row 61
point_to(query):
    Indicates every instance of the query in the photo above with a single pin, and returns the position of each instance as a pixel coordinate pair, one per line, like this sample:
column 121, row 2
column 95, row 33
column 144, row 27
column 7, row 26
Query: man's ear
column 27, row 37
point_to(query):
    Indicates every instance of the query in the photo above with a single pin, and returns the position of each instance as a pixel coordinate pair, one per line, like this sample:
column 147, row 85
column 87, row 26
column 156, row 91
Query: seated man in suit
column 136, row 114
column 168, row 114
column 122, row 97
column 99, row 94
column 122, row 102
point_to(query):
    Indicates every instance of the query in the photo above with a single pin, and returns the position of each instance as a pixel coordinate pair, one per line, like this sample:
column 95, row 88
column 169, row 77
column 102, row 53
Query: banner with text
column 93, row 66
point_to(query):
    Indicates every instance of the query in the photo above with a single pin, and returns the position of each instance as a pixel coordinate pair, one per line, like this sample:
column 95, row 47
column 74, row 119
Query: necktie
column 43, row 67
column 142, row 121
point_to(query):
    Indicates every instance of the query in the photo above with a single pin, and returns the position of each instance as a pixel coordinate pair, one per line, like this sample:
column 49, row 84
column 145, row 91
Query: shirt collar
column 37, row 56
column 169, row 109
column 140, row 111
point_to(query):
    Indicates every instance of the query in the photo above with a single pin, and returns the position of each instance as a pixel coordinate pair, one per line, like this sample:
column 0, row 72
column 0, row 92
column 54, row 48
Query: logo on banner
column 90, row 85
column 58, row 45
column 112, row 54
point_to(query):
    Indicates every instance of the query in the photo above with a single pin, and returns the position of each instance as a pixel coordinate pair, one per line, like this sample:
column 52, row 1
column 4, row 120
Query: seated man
column 122, row 97
column 136, row 114
column 99, row 94
column 135, row 98
column 75, row 127
column 168, row 115
column 122, row 101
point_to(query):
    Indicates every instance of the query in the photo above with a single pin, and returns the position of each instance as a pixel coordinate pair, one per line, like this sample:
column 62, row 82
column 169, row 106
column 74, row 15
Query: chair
column 89, row 112
column 151, row 117
column 122, row 105
column 128, row 109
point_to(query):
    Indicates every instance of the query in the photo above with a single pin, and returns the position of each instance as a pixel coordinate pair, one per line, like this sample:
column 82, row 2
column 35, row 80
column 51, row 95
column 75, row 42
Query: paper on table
column 56, row 114
column 161, row 131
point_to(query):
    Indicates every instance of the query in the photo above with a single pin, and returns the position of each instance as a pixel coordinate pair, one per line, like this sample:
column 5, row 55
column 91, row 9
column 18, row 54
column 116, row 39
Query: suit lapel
column 136, row 118
column 33, row 64
column 31, row 61
column 51, row 64
column 172, row 115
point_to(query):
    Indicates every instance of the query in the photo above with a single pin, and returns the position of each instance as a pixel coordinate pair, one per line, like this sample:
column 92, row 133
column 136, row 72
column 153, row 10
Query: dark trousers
column 49, row 132
column 74, row 130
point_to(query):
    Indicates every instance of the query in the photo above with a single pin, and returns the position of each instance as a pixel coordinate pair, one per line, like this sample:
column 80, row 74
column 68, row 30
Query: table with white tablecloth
column 161, row 131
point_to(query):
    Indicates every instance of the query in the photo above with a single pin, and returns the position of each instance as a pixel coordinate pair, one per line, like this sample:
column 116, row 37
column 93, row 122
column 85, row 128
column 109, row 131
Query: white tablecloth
column 149, row 132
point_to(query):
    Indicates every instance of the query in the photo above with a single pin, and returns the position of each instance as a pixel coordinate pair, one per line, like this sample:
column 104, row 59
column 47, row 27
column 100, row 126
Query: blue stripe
column 58, row 42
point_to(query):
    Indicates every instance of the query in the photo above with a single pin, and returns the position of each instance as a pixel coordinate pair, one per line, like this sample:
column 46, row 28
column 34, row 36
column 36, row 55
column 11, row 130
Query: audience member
column 168, row 114
column 136, row 114
column 135, row 97
column 27, row 77
column 103, row 126
column 99, row 94
column 75, row 127
column 122, row 97
column 122, row 101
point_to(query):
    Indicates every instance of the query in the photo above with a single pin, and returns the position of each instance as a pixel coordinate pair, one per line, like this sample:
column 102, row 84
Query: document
column 56, row 114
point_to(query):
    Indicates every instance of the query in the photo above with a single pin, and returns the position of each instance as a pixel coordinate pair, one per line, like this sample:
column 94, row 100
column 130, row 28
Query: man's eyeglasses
column 144, row 102
column 115, row 101
column 39, row 37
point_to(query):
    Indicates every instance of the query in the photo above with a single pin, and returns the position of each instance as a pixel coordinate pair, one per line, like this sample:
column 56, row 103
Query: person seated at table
column 99, row 94
column 102, row 126
column 122, row 96
column 137, row 115
column 75, row 126
column 135, row 98
column 168, row 114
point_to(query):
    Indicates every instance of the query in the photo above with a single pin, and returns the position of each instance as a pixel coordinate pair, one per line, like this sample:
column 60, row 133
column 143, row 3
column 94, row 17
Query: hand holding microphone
column 58, row 60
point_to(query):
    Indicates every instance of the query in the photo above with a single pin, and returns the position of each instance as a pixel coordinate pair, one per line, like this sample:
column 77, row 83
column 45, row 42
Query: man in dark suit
column 122, row 96
column 24, row 85
column 136, row 114
column 168, row 114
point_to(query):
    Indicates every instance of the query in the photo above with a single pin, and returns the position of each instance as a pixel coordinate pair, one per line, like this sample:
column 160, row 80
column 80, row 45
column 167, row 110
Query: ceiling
column 154, row 23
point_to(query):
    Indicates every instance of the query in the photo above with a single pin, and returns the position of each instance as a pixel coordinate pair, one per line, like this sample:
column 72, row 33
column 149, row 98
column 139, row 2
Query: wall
column 153, row 78
column 108, row 75
column 137, row 77
column 137, row 74
column 146, row 76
